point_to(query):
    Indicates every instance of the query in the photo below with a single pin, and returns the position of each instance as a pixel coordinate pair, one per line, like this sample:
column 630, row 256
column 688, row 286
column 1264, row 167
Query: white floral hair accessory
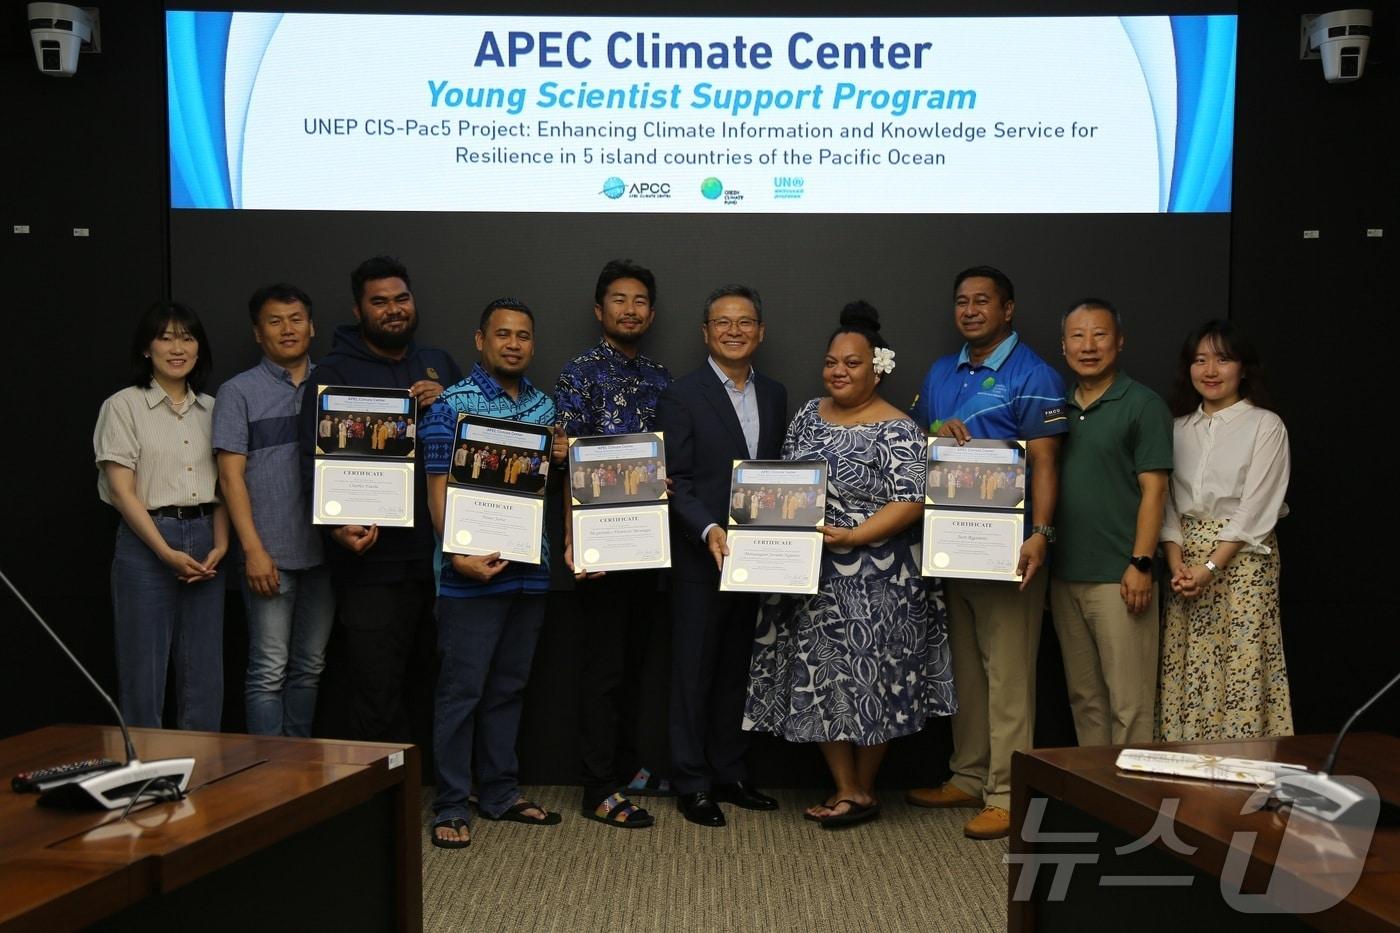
column 884, row 361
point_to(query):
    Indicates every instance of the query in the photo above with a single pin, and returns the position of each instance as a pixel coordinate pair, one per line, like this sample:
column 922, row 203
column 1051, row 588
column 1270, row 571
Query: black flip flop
column 457, row 824
column 516, row 814
column 857, row 813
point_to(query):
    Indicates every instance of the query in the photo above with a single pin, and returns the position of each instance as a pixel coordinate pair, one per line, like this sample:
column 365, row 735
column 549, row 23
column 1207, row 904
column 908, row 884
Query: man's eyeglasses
column 722, row 324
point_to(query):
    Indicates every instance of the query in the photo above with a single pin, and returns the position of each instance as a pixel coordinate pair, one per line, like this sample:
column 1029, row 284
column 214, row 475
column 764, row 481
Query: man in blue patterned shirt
column 489, row 610
column 612, row 389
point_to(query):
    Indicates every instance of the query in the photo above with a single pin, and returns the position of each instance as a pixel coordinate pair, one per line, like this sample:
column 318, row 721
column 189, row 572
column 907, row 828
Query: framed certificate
column 775, row 508
column 772, row 561
column 980, row 545
column 974, row 508
column 365, row 442
column 478, row 521
column 627, row 537
column 495, row 488
column 617, row 495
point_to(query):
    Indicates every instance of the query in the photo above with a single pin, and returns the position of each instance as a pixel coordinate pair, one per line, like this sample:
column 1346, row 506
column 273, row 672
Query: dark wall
column 90, row 152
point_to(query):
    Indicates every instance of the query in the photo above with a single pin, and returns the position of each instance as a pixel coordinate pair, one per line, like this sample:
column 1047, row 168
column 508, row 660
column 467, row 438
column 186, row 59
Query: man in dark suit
column 721, row 412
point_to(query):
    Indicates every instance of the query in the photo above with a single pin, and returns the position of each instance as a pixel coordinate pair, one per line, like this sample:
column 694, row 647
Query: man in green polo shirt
column 1113, row 485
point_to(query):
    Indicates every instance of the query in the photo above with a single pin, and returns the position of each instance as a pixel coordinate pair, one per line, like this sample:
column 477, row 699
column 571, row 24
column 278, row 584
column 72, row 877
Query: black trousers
column 380, row 664
column 619, row 616
column 711, row 642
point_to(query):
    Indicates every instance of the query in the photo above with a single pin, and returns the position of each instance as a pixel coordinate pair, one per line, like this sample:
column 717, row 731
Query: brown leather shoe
column 944, row 795
column 991, row 823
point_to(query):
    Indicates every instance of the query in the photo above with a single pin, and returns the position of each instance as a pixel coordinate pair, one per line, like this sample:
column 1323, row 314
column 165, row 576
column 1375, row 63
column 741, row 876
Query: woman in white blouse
column 1223, row 674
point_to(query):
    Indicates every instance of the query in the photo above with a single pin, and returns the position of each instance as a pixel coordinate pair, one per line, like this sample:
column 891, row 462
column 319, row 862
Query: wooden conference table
column 1081, row 791
column 275, row 834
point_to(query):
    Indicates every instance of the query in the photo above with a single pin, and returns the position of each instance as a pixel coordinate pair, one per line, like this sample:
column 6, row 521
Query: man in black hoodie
column 384, row 577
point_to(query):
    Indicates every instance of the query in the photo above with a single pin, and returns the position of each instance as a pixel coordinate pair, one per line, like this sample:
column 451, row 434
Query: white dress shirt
column 1231, row 466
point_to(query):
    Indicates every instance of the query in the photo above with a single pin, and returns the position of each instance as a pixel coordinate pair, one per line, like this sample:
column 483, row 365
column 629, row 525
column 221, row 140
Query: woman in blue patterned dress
column 864, row 660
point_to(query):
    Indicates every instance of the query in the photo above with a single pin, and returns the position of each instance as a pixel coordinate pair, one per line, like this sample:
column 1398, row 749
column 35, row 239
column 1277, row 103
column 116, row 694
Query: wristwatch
column 1141, row 562
column 1212, row 567
column 1047, row 530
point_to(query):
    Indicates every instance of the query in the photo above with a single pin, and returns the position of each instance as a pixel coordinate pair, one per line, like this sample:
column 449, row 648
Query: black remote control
column 32, row 782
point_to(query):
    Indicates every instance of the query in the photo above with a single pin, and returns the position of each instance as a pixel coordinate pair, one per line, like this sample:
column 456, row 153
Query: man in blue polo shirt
column 995, row 387
column 286, row 584
column 489, row 610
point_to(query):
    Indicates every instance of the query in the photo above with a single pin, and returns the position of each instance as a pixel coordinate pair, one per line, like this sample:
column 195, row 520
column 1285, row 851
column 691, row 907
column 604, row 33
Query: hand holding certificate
column 617, row 495
column 363, row 473
column 775, row 509
column 974, row 509
column 495, row 488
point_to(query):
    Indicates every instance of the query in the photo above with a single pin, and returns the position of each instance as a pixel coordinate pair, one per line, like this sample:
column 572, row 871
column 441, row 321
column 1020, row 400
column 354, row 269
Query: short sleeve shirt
column 168, row 447
column 480, row 394
column 604, row 392
column 256, row 415
column 1126, row 431
column 1011, row 395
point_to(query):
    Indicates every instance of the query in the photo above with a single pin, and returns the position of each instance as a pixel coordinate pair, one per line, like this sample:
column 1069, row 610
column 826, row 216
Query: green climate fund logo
column 989, row 382
column 712, row 188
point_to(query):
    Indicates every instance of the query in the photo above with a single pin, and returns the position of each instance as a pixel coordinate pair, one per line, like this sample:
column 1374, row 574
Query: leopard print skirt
column 1222, row 670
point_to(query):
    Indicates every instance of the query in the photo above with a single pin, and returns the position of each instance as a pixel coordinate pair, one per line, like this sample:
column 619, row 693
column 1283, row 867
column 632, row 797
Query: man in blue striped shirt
column 286, row 583
column 489, row 610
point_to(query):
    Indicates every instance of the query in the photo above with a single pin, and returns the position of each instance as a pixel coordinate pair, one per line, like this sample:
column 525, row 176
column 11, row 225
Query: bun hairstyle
column 861, row 317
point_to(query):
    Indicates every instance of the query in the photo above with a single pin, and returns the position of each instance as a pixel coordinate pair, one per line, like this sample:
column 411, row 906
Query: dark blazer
column 703, row 439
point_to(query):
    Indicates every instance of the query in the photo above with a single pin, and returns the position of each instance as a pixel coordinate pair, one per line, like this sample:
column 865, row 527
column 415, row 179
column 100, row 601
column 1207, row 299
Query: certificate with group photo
column 974, row 509
column 775, row 510
column 363, row 473
column 617, row 494
column 495, row 488
column 981, row 474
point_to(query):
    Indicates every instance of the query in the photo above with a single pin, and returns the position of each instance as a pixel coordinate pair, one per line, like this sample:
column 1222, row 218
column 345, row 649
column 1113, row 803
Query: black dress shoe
column 743, row 794
column 700, row 808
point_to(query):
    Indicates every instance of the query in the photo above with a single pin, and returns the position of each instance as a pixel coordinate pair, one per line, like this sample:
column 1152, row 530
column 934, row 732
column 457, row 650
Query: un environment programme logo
column 614, row 188
column 788, row 188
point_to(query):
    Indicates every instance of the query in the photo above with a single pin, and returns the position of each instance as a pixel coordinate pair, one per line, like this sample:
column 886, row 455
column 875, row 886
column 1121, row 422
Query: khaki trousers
column 994, row 636
column 1110, row 661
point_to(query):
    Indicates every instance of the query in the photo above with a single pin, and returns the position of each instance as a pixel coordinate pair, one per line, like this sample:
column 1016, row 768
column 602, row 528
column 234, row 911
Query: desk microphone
column 1317, row 792
column 115, row 787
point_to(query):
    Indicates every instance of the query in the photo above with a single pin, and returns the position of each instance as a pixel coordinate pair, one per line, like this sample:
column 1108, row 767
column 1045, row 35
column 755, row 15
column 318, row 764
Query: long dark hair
column 153, row 323
column 1230, row 341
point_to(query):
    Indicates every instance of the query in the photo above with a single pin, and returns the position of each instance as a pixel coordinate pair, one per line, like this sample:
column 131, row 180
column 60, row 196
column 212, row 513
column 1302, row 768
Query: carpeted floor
column 911, row 869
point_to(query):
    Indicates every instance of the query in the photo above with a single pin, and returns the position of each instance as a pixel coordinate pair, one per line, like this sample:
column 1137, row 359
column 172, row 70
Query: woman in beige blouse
column 156, row 467
column 1222, row 671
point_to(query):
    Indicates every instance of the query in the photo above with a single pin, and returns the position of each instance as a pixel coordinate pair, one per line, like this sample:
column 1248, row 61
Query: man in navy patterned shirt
column 490, row 610
column 612, row 389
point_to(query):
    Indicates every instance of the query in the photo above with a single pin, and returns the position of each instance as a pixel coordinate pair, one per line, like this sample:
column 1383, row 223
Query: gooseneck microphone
column 1332, row 755
column 112, row 787
column 1321, row 794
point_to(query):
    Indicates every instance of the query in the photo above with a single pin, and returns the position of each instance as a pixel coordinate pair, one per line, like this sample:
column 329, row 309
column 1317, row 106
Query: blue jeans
column 157, row 617
column 287, row 636
column 486, row 644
